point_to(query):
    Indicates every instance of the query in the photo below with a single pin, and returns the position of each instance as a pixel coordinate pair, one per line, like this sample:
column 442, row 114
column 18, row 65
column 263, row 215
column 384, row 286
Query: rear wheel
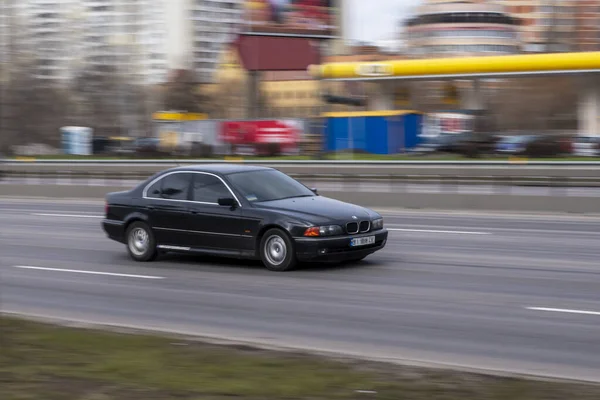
column 141, row 244
column 277, row 251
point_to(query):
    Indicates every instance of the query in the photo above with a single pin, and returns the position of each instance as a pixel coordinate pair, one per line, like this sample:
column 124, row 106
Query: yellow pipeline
column 384, row 113
column 459, row 66
column 174, row 116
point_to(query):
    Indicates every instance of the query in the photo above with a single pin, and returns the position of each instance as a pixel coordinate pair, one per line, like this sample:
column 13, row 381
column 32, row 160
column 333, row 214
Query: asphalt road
column 507, row 293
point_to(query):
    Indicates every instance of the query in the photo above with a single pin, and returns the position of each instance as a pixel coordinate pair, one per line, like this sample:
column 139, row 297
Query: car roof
column 217, row 168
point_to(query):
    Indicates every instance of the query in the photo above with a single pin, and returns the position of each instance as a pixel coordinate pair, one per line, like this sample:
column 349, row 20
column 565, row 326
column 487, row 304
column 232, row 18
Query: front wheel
column 141, row 244
column 277, row 251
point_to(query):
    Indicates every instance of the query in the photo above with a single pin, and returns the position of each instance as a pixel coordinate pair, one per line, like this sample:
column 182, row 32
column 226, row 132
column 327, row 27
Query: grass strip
column 43, row 361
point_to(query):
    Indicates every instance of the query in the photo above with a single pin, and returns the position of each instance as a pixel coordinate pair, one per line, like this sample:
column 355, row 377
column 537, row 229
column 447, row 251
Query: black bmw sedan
column 240, row 211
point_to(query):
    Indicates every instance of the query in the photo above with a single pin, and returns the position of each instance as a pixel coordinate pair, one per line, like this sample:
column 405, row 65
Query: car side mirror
column 227, row 202
column 314, row 190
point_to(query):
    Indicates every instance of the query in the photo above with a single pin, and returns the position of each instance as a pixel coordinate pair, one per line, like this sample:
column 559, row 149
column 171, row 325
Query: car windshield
column 585, row 139
column 268, row 185
column 516, row 139
column 441, row 139
column 434, row 140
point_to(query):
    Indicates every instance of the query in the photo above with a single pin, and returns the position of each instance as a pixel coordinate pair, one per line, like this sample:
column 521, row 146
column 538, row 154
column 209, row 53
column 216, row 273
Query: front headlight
column 329, row 230
column 377, row 224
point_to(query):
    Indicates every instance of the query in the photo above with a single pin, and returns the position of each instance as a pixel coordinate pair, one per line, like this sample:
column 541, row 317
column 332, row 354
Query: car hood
column 319, row 209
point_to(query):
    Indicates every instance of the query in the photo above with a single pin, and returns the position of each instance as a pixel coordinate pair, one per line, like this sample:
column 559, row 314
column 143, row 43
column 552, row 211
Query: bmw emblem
column 354, row 217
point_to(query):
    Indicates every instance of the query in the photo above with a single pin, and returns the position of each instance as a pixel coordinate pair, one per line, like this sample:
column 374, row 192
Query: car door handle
column 194, row 212
column 151, row 208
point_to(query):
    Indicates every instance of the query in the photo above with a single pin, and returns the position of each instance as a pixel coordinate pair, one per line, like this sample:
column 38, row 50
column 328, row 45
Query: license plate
column 363, row 241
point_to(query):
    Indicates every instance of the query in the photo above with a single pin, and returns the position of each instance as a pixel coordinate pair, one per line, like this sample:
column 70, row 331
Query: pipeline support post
column 381, row 97
column 254, row 100
column 472, row 97
column 588, row 108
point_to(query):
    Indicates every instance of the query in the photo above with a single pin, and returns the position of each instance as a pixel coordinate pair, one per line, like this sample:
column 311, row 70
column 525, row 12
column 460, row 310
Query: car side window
column 208, row 189
column 175, row 186
column 154, row 190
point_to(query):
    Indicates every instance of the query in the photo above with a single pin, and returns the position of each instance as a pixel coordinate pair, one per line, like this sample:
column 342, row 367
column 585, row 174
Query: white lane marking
column 67, row 215
column 564, row 310
column 76, row 271
column 502, row 230
column 438, row 231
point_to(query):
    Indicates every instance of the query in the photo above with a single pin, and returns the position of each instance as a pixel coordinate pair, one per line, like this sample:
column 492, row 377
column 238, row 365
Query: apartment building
column 64, row 37
column 49, row 44
column 587, row 25
column 558, row 25
column 213, row 24
column 547, row 25
column 446, row 29
column 127, row 35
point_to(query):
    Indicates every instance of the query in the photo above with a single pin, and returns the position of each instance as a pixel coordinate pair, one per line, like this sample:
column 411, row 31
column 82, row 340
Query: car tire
column 140, row 241
column 277, row 251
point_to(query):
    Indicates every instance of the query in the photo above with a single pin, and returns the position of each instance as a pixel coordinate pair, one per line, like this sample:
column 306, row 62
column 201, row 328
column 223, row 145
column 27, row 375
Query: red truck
column 262, row 137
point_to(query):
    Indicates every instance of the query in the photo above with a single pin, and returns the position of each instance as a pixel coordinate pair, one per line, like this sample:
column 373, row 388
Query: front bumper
column 336, row 249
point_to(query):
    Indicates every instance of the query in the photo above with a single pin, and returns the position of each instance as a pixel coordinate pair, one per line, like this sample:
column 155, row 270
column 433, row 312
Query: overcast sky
column 371, row 20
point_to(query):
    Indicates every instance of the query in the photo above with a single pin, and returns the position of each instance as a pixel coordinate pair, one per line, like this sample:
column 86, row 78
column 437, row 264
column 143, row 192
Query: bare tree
column 182, row 92
column 94, row 93
column 107, row 101
column 11, row 36
column 537, row 104
column 227, row 99
column 37, row 110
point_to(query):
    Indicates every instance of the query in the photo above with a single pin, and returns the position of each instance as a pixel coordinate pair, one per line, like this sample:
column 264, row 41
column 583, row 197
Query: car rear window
column 176, row 186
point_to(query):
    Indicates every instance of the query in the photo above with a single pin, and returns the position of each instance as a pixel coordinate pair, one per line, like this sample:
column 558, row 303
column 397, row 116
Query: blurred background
column 214, row 78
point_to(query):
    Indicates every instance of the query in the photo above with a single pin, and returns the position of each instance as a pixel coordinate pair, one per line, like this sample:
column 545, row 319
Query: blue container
column 375, row 132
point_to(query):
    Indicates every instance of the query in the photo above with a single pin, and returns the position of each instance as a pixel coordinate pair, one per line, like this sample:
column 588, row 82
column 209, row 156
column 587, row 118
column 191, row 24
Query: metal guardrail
column 501, row 173
column 174, row 162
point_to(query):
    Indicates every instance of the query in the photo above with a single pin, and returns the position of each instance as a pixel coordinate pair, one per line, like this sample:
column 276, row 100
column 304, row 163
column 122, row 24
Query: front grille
column 365, row 226
column 355, row 227
column 352, row 227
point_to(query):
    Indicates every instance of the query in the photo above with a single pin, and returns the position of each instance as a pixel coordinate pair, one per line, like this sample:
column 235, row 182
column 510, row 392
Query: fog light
column 323, row 251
